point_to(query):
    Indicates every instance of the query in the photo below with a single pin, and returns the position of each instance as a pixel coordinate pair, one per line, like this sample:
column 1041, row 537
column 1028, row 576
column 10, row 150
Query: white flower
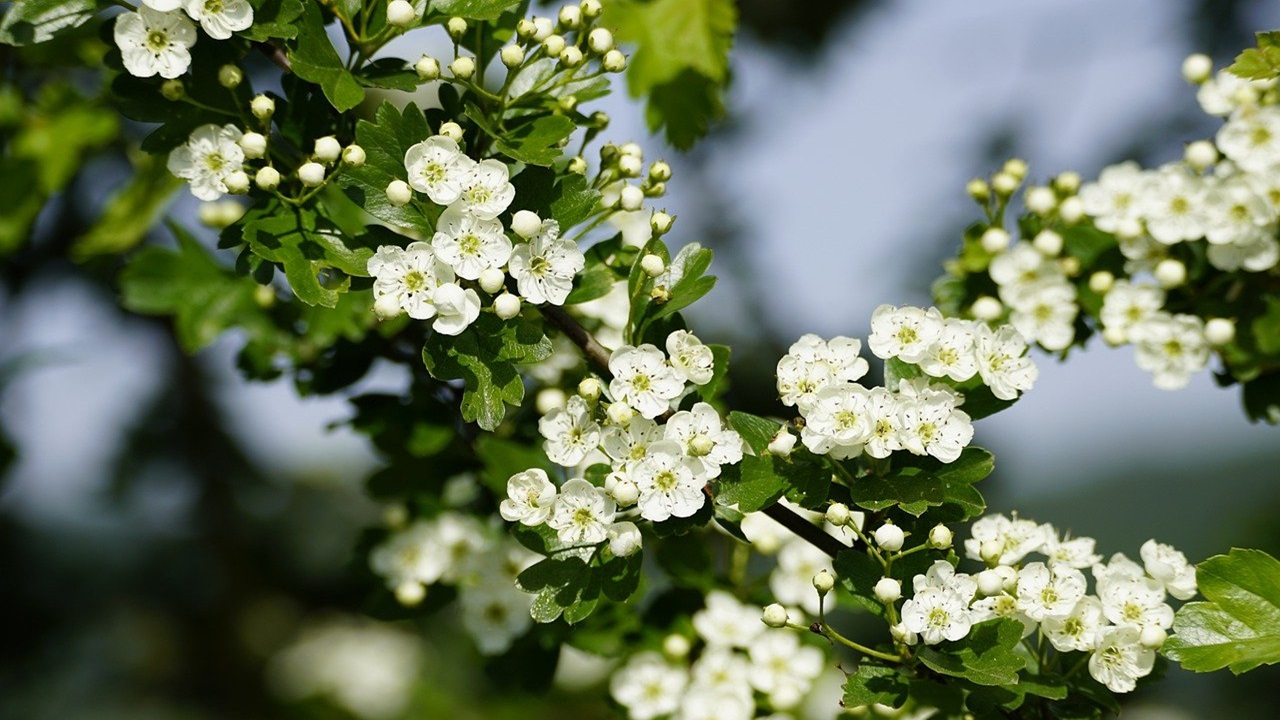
column 692, row 360
column 721, row 671
column 530, row 496
column 220, row 18
column 1171, row 347
column 904, row 333
column 1002, row 361
column 1114, row 198
column 942, row 575
column 456, row 308
column 643, row 379
column 932, row 425
column 210, row 154
column 952, row 354
column 1021, row 272
column 937, row 614
column 1076, row 552
column 1049, row 591
column 624, row 538
column 486, row 189
column 163, row 5
column 782, row 668
column 1252, row 140
column 1235, row 211
column 1137, row 602
column 1170, row 568
column 1047, row 315
column 571, row 433
column 704, row 438
column 1127, row 304
column 429, row 551
column 883, row 411
column 669, row 483
column 1078, row 630
column 1002, row 605
column 791, row 582
column 628, row 445
column 1119, row 659
column 409, row 277
column 648, row 686
column 544, row 267
column 727, row 622
column 495, row 615
column 838, row 421
column 582, row 514
column 1256, row 252
column 1227, row 92
column 437, row 167
column 1010, row 540
column 698, row 705
column 470, row 245
column 1173, row 205
column 152, row 42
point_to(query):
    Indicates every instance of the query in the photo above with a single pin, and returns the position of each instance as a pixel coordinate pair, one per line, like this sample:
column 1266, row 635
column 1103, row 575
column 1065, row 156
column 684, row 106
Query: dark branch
column 275, row 55
column 805, row 530
column 596, row 353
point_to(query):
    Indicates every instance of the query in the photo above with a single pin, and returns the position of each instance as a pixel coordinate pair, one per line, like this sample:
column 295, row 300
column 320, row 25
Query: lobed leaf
column 1238, row 625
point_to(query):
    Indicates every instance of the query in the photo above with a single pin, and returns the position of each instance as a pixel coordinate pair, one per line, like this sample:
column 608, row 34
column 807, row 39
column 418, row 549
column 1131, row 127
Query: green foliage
column 274, row 19
column 1237, row 626
column 876, row 685
column 987, row 656
column 310, row 248
column 571, row 587
column 315, row 60
column 385, row 141
column 131, row 212
column 538, row 141
column 28, row 22
column 916, row 484
column 656, row 299
column 1262, row 62
column 473, row 9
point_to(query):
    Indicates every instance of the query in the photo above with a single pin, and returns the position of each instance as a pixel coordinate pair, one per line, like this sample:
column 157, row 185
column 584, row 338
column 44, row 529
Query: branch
column 275, row 55
column 805, row 530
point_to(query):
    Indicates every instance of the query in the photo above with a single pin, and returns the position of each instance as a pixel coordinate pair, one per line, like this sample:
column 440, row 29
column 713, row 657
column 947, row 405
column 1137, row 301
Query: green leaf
column 537, row 142
column 473, row 9
column 385, row 142
column 758, row 482
column 1266, row 328
column 1261, row 63
column 875, row 685
column 28, row 22
column 1086, row 244
column 307, row 245
column 314, row 59
column 919, row 483
column 1238, row 625
column 755, row 430
column 686, row 279
column 685, row 106
column 131, row 212
column 593, row 283
column 719, row 381
column 274, row 19
column 574, row 202
column 986, row 656
column 504, row 458
column 389, row 73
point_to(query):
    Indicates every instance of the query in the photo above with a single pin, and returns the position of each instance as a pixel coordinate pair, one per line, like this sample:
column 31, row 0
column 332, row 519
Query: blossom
column 530, row 496
column 582, row 514
column 469, row 244
column 782, row 668
column 952, row 354
column 1002, row 362
column 221, row 18
column 884, row 413
column 692, row 360
column 932, row 425
column 904, row 333
column 1046, row 591
column 1114, row 198
column 1127, row 304
column 648, row 686
column 1046, row 314
column 719, row 671
column 1077, row 630
column 1135, row 602
column 643, row 380
column 669, row 483
column 495, row 615
column 486, row 189
column 937, row 614
column 437, row 167
column 570, row 433
column 1252, row 140
column 408, row 277
column 1173, row 206
column 838, row 421
column 1171, row 347
column 456, row 308
column 545, row 266
column 791, row 582
column 726, row 621
column 704, row 438
column 153, row 42
column 1170, row 568
column 1119, row 659
column 210, row 154
column 628, row 445
column 1003, row 540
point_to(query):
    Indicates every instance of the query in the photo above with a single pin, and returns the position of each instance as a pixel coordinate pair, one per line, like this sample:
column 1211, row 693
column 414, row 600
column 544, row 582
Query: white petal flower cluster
column 1172, row 347
column 416, row 281
column 1120, row 624
column 210, row 155
column 739, row 668
column 1041, row 301
column 156, row 39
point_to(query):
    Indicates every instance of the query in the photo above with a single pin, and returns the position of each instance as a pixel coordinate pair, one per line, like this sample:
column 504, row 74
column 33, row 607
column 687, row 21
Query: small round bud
column 1115, row 336
column 456, row 26
column 395, row 516
column 995, row 240
column 267, row 178
column 887, row 590
column 987, row 308
column 1197, row 68
column 775, row 616
column 1071, row 210
column 1170, row 273
column 399, row 193
column 311, row 174
column 1067, row 183
column 230, row 76
column 386, row 307
column 591, row 8
column 1070, row 266
column 1200, row 154
column 1016, row 167
column 1040, row 200
column 254, row 145
column 400, row 14
column 577, row 166
column 526, row 224
column 838, row 514
column 1048, row 242
column 1101, row 281
column 550, row 399
column 990, row 551
column 620, row 413
column 1004, row 184
column 262, row 107
column 590, row 389
column 542, row 28
column 901, row 634
column 625, row 492
column 512, row 55
column 653, row 265
column 1219, row 331
column 660, row 223
column 554, row 45
column 451, row 130
column 631, row 197
column 599, row 120
column 823, row 582
column 978, row 189
column 567, row 103
column 506, row 306
column 221, row 213
column 353, row 155
column 463, row 67
column 173, row 89
column 940, row 537
column 889, row 537
column 237, row 182
column 410, row 592
column 659, row 171
column 782, row 444
column 674, row 646
column 571, row 57
column 327, row 149
column 614, row 61
column 525, row 28
column 632, row 148
column 427, row 67
column 1129, row 229
column 990, row 582
column 600, row 41
column 570, row 16
column 1153, row 637
column 655, row 190
column 491, row 280
column 630, row 165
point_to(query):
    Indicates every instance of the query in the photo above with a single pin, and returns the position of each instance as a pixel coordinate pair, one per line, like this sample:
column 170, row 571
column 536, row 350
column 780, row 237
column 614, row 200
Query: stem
column 805, row 530
column 275, row 55
column 828, row 632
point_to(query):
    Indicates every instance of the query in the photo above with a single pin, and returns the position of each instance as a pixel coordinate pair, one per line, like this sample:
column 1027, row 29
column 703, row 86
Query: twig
column 275, row 55
column 805, row 530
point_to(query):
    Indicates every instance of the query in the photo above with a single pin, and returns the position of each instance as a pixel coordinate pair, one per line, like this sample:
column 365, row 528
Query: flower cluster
column 156, row 39
column 1120, row 625
column 844, row 419
column 736, row 658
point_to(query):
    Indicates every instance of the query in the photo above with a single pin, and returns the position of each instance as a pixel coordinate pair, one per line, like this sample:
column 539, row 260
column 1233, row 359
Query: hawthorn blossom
column 1114, row 198
column 486, row 189
column 643, row 380
column 1002, row 361
column 782, row 668
column 1046, row 591
column 530, row 497
column 408, row 278
column 1078, row 629
column 838, row 421
column 437, row 167
column 704, row 439
column 456, row 308
column 725, row 621
column 648, row 686
column 221, row 18
column 545, row 266
column 904, row 333
column 1171, row 348
column 570, row 433
column 495, row 615
column 1170, row 568
column 582, row 513
column 670, row 484
column 952, row 354
column 210, row 154
column 469, row 244
column 1119, row 659
column 937, row 614
column 692, row 360
column 155, row 42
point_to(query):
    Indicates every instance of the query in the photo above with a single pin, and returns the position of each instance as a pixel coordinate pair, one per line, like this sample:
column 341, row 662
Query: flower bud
column 570, row 16
column 590, row 389
column 542, row 28
column 1004, row 184
column 990, row 551
column 1219, row 331
column 889, row 537
column 1017, row 167
column 1197, row 68
column 887, row 590
column 660, row 223
column 940, row 537
column 652, row 265
column 1200, row 154
column 1101, row 281
column 1129, row 229
column 254, row 145
column 989, row 582
column 902, row 634
column 463, row 67
column 506, row 306
column 659, row 171
column 775, row 616
column 311, row 174
column 591, row 8
column 614, row 61
column 410, row 592
column 526, row 224
column 823, row 582
column 599, row 120
column 577, row 166
column 525, row 28
column 1048, row 242
column 600, row 41
column 395, row 516
column 630, row 165
column 571, row 57
column 782, row 444
column 400, row 14
column 267, row 178
column 1071, row 210
column 327, row 149
column 237, row 182
column 456, row 26
column 1040, row 200
column 1153, row 637
column 491, row 280
column 1067, row 183
column 554, row 45
column 620, row 413
column 399, row 193
column 173, row 89
column 625, row 492
column 987, row 308
column 386, row 307
column 978, row 189
column 567, row 103
column 230, row 76
column 624, row 539
column 1170, row 273
column 632, row 148
column 995, row 240
column 1070, row 266
column 549, row 399
column 262, row 106
column 512, row 55
column 221, row 213
column 655, row 190
column 353, row 155
column 631, row 197
column 674, row 646
column 451, row 130
column 427, row 67
column 838, row 514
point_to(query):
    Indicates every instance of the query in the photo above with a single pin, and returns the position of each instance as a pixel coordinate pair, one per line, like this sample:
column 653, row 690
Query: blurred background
column 177, row 543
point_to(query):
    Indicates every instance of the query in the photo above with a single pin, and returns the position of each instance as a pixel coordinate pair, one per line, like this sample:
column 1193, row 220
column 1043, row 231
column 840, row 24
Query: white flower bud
column 631, row 197
column 451, row 130
column 386, row 307
column 554, row 45
column 655, row 190
column 620, row 414
column 327, row 149
column 775, row 616
column 237, row 182
column 1070, row 266
column 399, row 193
column 311, row 174
column 1200, row 154
column 889, row 537
column 262, row 106
column 701, row 445
column 456, row 26
column 353, row 155
column 525, row 28
column 463, row 67
column 674, row 646
column 838, row 514
column 630, row 165
column 173, row 89
column 267, row 178
column 1071, row 210
column 823, row 582
column 427, row 67
column 570, row 16
column 591, row 8
column 550, row 399
column 221, row 213
column 590, row 389
column 660, row 223
column 526, row 223
column 652, row 265
column 1004, row 184
column 987, row 308
column 1048, row 242
column 990, row 582
column 624, row 539
column 506, row 306
column 254, row 145
column 1115, row 336
column 887, row 590
column 512, row 55
column 1153, row 637
column 1128, row 229
column 625, row 492
column 940, row 537
column 995, row 240
column 1017, row 167
column 1219, row 331
column 1170, row 273
column 600, row 41
column 978, row 189
column 990, row 551
column 230, row 76
column 659, row 171
column 571, row 57
column 782, row 444
column 632, row 148
column 577, row 166
column 1197, row 68
column 410, row 592
column 614, row 61
column 400, row 14
column 1040, row 200
column 1067, row 183
column 542, row 28
column 903, row 635
column 1101, row 281
column 492, row 279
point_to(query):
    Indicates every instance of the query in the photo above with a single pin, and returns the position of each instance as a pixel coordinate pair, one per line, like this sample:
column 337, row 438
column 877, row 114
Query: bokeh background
column 176, row 543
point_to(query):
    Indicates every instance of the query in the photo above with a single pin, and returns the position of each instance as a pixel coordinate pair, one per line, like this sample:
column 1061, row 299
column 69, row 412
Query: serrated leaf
column 921, row 483
column 473, row 9
column 875, row 685
column 307, row 245
column 485, row 356
column 755, row 430
column 1262, row 62
column 1238, row 625
column 503, row 458
column 315, row 60
column 536, row 142
column 385, row 142
column 131, row 211
column 28, row 22
column 986, row 656
column 389, row 73
column 274, row 19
